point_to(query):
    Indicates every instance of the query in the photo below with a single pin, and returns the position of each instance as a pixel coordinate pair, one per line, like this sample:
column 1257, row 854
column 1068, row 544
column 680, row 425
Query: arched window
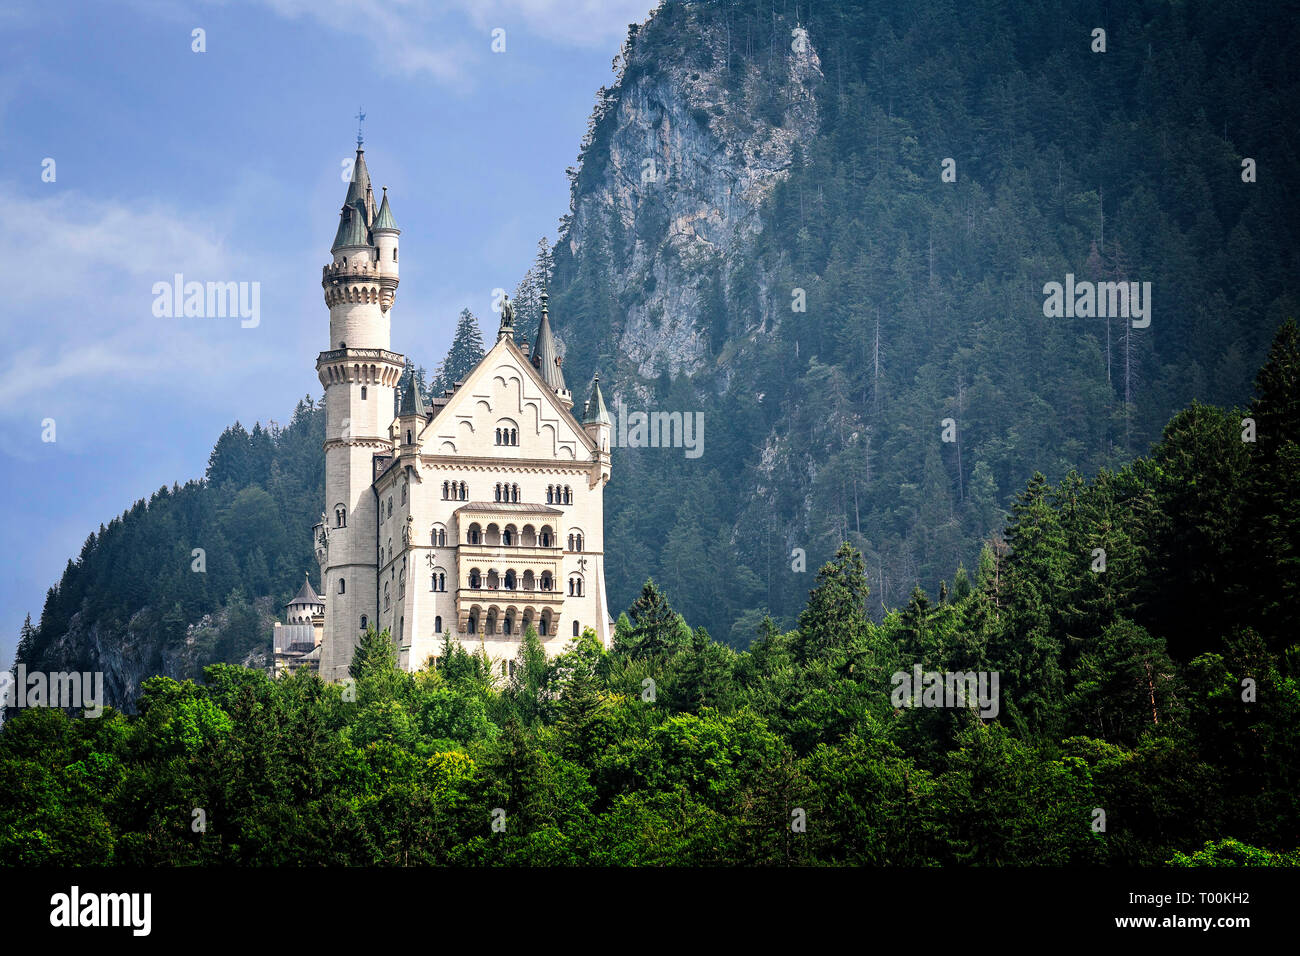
column 550, row 494
column 343, row 586
column 546, row 580
column 474, row 580
column 387, row 598
column 363, row 393
column 541, row 627
column 408, row 441
column 514, row 492
column 568, row 495
column 510, row 580
column 498, row 491
column 510, row 624
column 498, row 436
column 390, row 506
column 473, row 624
column 514, row 436
column 464, row 492
column 437, row 624
column 579, row 539
column 575, row 628
column 507, row 538
column 363, row 622
column 340, row 516
column 401, row 584
column 570, row 542
column 473, row 536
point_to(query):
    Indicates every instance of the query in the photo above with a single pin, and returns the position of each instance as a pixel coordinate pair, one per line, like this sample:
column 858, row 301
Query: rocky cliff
column 691, row 152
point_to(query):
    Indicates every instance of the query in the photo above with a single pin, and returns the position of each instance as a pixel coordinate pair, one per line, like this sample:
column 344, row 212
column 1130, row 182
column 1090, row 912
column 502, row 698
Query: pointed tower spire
column 360, row 193
column 544, row 358
column 352, row 228
column 384, row 220
column 412, row 400
column 596, row 412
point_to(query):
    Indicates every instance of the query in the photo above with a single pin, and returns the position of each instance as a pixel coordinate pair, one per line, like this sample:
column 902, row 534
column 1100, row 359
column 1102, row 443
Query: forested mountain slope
column 820, row 171
column 760, row 232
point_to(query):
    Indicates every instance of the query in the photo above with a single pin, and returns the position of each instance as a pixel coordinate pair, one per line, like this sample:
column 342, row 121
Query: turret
column 307, row 605
column 595, row 418
column 547, row 360
column 412, row 415
column 385, row 232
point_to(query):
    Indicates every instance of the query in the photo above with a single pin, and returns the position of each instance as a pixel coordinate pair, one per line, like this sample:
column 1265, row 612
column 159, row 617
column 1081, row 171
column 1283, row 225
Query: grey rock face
column 127, row 655
column 689, row 163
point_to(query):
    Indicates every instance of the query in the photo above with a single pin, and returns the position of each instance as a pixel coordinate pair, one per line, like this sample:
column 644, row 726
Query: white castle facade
column 475, row 517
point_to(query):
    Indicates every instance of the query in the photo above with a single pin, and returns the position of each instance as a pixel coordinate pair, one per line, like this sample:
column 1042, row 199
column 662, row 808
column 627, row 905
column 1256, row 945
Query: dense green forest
column 1160, row 692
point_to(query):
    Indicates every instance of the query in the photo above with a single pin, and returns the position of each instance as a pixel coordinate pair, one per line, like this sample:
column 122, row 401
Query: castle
column 476, row 515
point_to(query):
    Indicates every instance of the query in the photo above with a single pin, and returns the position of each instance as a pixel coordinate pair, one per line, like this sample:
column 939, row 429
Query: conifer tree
column 527, row 299
column 465, row 353
column 834, row 623
column 656, row 628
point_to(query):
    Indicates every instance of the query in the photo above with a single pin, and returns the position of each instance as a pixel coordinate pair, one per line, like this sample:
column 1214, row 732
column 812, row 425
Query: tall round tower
column 360, row 375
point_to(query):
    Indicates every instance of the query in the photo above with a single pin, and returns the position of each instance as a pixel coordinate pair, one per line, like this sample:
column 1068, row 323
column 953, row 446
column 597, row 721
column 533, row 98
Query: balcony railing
column 515, row 595
column 382, row 354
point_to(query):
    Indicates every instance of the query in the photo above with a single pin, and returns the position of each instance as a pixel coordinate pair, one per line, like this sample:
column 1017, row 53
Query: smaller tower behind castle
column 296, row 643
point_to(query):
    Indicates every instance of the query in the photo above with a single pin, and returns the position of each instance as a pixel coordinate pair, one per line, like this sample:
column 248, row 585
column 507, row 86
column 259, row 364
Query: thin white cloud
column 79, row 317
column 404, row 35
column 417, row 37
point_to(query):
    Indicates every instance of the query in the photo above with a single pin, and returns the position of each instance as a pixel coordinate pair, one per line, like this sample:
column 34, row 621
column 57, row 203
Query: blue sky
column 225, row 166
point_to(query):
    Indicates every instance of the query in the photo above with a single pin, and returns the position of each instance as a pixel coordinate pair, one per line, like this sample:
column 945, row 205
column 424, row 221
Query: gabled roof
column 465, row 389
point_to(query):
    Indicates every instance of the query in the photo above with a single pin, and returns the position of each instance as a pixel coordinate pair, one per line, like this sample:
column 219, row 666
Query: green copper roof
column 544, row 358
column 597, row 413
column 359, row 190
column 412, row 401
column 352, row 228
column 385, row 218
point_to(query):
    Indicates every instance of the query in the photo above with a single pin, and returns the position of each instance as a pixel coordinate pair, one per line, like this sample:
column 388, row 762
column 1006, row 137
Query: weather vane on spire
column 361, row 118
